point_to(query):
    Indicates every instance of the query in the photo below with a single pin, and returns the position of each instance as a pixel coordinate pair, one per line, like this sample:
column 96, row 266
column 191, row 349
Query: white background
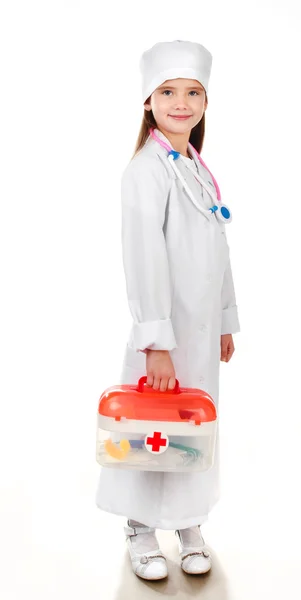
column 70, row 115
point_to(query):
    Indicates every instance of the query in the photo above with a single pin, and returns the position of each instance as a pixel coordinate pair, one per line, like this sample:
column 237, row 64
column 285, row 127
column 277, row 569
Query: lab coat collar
column 191, row 150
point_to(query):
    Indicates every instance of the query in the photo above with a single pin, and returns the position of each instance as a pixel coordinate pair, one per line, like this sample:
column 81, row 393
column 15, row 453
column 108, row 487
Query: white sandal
column 150, row 564
column 195, row 556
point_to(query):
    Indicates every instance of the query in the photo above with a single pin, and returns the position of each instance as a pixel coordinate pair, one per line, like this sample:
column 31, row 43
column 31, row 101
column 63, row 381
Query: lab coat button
column 202, row 378
column 203, row 328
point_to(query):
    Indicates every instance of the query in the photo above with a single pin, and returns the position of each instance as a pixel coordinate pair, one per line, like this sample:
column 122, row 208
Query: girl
column 180, row 292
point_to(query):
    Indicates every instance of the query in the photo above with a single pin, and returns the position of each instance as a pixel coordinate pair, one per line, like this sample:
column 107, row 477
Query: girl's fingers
column 163, row 384
column 227, row 348
column 224, row 346
column 224, row 352
column 171, row 383
column 150, row 379
column 231, row 352
column 156, row 384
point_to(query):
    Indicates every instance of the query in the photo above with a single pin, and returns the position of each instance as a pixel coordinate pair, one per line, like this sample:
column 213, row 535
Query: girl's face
column 178, row 97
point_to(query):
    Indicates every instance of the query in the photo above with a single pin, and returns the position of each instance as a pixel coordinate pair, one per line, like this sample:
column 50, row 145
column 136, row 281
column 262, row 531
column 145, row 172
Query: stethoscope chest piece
column 223, row 213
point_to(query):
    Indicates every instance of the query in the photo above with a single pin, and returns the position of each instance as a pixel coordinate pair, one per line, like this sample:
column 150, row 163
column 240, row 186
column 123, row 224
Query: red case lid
column 143, row 403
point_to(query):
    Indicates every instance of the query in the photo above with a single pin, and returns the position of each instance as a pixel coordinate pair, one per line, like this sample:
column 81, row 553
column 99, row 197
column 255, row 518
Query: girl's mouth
column 180, row 118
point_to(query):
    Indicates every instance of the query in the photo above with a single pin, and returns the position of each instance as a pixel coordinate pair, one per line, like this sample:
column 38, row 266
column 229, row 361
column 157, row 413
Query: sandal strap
column 145, row 558
column 204, row 553
column 192, row 551
column 130, row 531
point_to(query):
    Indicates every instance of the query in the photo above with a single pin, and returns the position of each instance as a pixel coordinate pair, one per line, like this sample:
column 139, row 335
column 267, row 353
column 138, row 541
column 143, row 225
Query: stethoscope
column 221, row 211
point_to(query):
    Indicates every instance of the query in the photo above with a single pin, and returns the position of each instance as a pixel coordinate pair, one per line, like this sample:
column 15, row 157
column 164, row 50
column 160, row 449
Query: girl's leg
column 148, row 561
column 195, row 557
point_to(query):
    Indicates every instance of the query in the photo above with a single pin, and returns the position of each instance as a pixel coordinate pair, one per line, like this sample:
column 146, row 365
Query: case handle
column 143, row 380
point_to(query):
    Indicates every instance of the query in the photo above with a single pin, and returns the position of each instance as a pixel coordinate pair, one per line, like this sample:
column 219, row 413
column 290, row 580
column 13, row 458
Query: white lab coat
column 181, row 296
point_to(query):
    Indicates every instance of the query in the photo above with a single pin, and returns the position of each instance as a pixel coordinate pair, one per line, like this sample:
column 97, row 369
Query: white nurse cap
column 171, row 60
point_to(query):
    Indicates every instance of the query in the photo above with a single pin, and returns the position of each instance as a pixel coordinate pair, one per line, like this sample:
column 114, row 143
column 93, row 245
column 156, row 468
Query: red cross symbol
column 157, row 443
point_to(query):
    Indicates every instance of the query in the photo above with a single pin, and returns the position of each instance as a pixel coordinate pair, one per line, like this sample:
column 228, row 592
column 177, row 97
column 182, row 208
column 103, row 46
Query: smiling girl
column 180, row 293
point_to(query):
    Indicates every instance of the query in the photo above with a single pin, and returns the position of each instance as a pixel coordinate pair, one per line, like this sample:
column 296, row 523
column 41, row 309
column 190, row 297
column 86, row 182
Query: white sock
column 143, row 542
column 192, row 537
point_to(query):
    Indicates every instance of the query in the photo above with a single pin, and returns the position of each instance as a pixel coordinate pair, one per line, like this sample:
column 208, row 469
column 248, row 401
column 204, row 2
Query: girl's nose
column 180, row 106
column 181, row 102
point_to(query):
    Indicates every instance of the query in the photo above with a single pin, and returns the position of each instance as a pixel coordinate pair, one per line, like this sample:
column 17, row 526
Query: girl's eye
column 191, row 92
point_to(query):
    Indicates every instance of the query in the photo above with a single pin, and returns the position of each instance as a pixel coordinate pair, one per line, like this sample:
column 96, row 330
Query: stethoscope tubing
column 219, row 210
column 206, row 212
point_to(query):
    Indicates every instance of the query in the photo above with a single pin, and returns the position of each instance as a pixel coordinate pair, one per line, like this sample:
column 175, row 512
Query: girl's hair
column 196, row 138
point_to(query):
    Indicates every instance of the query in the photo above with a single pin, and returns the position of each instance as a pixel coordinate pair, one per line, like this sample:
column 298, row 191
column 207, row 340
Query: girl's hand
column 160, row 370
column 227, row 347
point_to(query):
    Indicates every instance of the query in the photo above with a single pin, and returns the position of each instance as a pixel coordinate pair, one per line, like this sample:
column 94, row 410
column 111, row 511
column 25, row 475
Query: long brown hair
column 196, row 138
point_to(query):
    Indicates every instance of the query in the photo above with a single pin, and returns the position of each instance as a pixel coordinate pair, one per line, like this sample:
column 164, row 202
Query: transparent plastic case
column 140, row 428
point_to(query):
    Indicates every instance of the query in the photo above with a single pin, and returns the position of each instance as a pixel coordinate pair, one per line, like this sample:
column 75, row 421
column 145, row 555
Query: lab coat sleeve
column 230, row 320
column 144, row 194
